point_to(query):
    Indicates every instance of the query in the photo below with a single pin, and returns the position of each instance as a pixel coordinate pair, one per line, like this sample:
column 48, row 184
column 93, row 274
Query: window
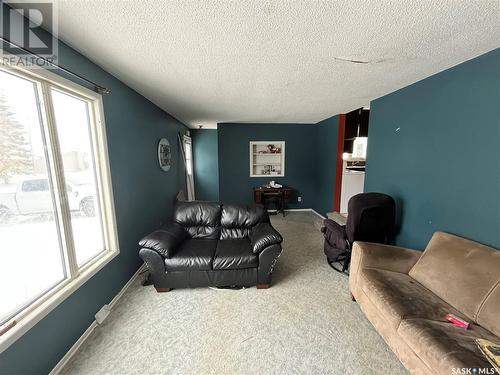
column 57, row 224
column 188, row 158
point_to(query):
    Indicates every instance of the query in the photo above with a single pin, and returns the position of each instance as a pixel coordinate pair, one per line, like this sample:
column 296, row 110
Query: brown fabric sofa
column 406, row 295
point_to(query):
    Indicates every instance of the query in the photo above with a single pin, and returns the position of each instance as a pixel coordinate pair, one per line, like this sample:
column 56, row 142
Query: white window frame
column 189, row 177
column 75, row 276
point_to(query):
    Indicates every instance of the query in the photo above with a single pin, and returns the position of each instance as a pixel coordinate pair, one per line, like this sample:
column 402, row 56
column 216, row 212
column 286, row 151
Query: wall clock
column 164, row 154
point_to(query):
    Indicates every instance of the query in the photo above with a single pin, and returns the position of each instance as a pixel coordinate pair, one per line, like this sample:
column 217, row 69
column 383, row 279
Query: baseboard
column 293, row 210
column 302, row 210
column 73, row 349
column 317, row 213
column 64, row 360
column 126, row 286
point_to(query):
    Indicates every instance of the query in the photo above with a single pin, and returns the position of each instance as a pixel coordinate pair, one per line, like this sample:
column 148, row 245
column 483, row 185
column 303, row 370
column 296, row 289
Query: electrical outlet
column 299, row 199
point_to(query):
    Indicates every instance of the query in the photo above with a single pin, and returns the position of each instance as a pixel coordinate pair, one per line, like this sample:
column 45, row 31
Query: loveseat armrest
column 264, row 235
column 164, row 240
column 385, row 257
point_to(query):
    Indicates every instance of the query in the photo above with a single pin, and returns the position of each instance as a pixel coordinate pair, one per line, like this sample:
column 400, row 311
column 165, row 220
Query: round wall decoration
column 164, row 154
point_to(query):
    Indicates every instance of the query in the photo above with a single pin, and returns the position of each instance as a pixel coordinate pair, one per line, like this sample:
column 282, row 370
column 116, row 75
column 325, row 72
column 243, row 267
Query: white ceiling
column 275, row 61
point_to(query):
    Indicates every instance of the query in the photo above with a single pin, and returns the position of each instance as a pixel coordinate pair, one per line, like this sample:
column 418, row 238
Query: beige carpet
column 305, row 323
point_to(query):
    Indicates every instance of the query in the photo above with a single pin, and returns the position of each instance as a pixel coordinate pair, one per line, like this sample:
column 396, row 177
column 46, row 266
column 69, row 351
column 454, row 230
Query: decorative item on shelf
column 273, row 149
column 164, row 154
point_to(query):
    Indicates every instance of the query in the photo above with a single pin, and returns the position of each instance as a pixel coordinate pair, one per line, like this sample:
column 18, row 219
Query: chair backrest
column 237, row 221
column 199, row 219
column 371, row 217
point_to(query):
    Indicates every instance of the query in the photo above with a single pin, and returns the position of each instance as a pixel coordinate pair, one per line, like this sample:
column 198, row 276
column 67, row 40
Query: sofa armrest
column 263, row 235
column 165, row 240
column 267, row 261
column 385, row 257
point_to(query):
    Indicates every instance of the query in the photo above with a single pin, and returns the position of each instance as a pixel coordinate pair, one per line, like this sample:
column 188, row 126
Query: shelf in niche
column 259, row 155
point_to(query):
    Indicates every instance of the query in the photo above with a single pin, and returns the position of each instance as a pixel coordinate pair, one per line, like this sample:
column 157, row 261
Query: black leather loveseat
column 210, row 244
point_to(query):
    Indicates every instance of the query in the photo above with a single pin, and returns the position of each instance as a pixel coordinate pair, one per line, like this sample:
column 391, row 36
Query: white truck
column 32, row 196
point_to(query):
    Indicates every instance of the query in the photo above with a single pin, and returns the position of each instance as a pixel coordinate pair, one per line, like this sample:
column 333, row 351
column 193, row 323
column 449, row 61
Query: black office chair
column 370, row 217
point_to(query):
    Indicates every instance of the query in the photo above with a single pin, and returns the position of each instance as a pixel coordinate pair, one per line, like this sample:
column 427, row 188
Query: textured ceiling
column 275, row 61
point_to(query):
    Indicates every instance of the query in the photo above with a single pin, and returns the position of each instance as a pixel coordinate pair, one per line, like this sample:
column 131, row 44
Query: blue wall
column 206, row 165
column 310, row 164
column 327, row 132
column 434, row 146
column 144, row 197
column 236, row 185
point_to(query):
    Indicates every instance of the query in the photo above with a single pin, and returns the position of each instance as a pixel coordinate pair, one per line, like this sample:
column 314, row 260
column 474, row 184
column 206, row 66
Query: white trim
column 282, row 158
column 317, row 213
column 71, row 352
column 301, row 210
column 186, row 139
column 126, row 286
column 293, row 209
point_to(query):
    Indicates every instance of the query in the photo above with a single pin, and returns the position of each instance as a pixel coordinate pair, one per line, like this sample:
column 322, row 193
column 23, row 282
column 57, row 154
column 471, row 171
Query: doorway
column 353, row 141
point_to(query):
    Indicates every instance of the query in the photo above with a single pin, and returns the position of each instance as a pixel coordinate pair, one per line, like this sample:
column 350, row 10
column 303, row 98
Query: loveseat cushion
column 199, row 219
column 459, row 271
column 234, row 254
column 192, row 254
column 397, row 296
column 443, row 346
column 236, row 221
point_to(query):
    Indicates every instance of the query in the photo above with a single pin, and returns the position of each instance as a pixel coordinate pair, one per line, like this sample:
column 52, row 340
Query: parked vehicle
column 32, row 196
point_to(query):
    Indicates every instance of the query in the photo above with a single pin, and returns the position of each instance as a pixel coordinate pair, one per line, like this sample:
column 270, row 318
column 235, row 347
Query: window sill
column 58, row 295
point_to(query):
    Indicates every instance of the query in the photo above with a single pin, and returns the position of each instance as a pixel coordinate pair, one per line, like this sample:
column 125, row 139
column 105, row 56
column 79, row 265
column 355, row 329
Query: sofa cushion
column 199, row 219
column 397, row 296
column 192, row 254
column 234, row 254
column 488, row 315
column 459, row 271
column 443, row 346
column 236, row 221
